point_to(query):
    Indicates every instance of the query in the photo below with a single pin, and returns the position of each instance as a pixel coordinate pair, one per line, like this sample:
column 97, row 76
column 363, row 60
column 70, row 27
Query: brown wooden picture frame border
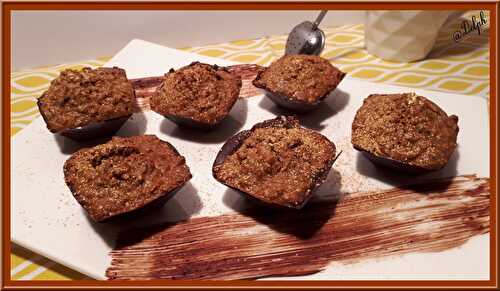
column 9, row 7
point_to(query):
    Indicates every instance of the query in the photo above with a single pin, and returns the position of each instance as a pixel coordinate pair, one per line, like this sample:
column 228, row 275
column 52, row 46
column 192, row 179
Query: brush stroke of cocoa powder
column 429, row 217
column 145, row 87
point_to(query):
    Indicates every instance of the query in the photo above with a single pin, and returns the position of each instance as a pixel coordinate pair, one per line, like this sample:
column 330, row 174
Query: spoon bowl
column 306, row 38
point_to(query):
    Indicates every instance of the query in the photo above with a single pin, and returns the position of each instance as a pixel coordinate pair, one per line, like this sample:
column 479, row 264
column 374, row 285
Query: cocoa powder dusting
column 430, row 217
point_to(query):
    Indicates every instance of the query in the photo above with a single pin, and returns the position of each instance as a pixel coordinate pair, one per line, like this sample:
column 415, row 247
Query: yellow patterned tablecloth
column 451, row 67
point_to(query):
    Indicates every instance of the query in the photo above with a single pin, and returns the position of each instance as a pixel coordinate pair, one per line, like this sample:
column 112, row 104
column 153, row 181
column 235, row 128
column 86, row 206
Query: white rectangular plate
column 47, row 219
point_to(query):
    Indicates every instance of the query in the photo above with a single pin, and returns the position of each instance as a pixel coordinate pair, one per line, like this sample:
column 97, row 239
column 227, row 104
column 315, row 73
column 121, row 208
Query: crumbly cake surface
column 300, row 77
column 278, row 164
column 407, row 128
column 77, row 98
column 201, row 92
column 124, row 174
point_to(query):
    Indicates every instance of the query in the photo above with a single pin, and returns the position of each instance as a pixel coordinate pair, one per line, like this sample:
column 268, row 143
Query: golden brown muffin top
column 300, row 77
column 407, row 128
column 200, row 92
column 124, row 174
column 278, row 164
column 77, row 98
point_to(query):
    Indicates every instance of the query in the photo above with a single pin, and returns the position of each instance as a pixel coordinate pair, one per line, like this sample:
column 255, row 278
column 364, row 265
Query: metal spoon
column 306, row 38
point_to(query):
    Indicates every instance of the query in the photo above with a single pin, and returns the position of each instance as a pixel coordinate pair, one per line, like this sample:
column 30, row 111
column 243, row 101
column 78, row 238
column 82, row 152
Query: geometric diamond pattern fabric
column 450, row 67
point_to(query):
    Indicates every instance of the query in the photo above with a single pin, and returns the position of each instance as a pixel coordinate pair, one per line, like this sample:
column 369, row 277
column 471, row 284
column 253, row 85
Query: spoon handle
column 319, row 18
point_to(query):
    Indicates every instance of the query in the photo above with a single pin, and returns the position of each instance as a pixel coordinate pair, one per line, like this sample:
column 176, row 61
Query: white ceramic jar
column 402, row 36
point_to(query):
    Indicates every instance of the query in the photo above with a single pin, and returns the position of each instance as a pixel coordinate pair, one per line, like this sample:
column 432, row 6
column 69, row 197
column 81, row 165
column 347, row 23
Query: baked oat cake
column 277, row 161
column 79, row 98
column 197, row 95
column 124, row 174
column 405, row 128
column 299, row 80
